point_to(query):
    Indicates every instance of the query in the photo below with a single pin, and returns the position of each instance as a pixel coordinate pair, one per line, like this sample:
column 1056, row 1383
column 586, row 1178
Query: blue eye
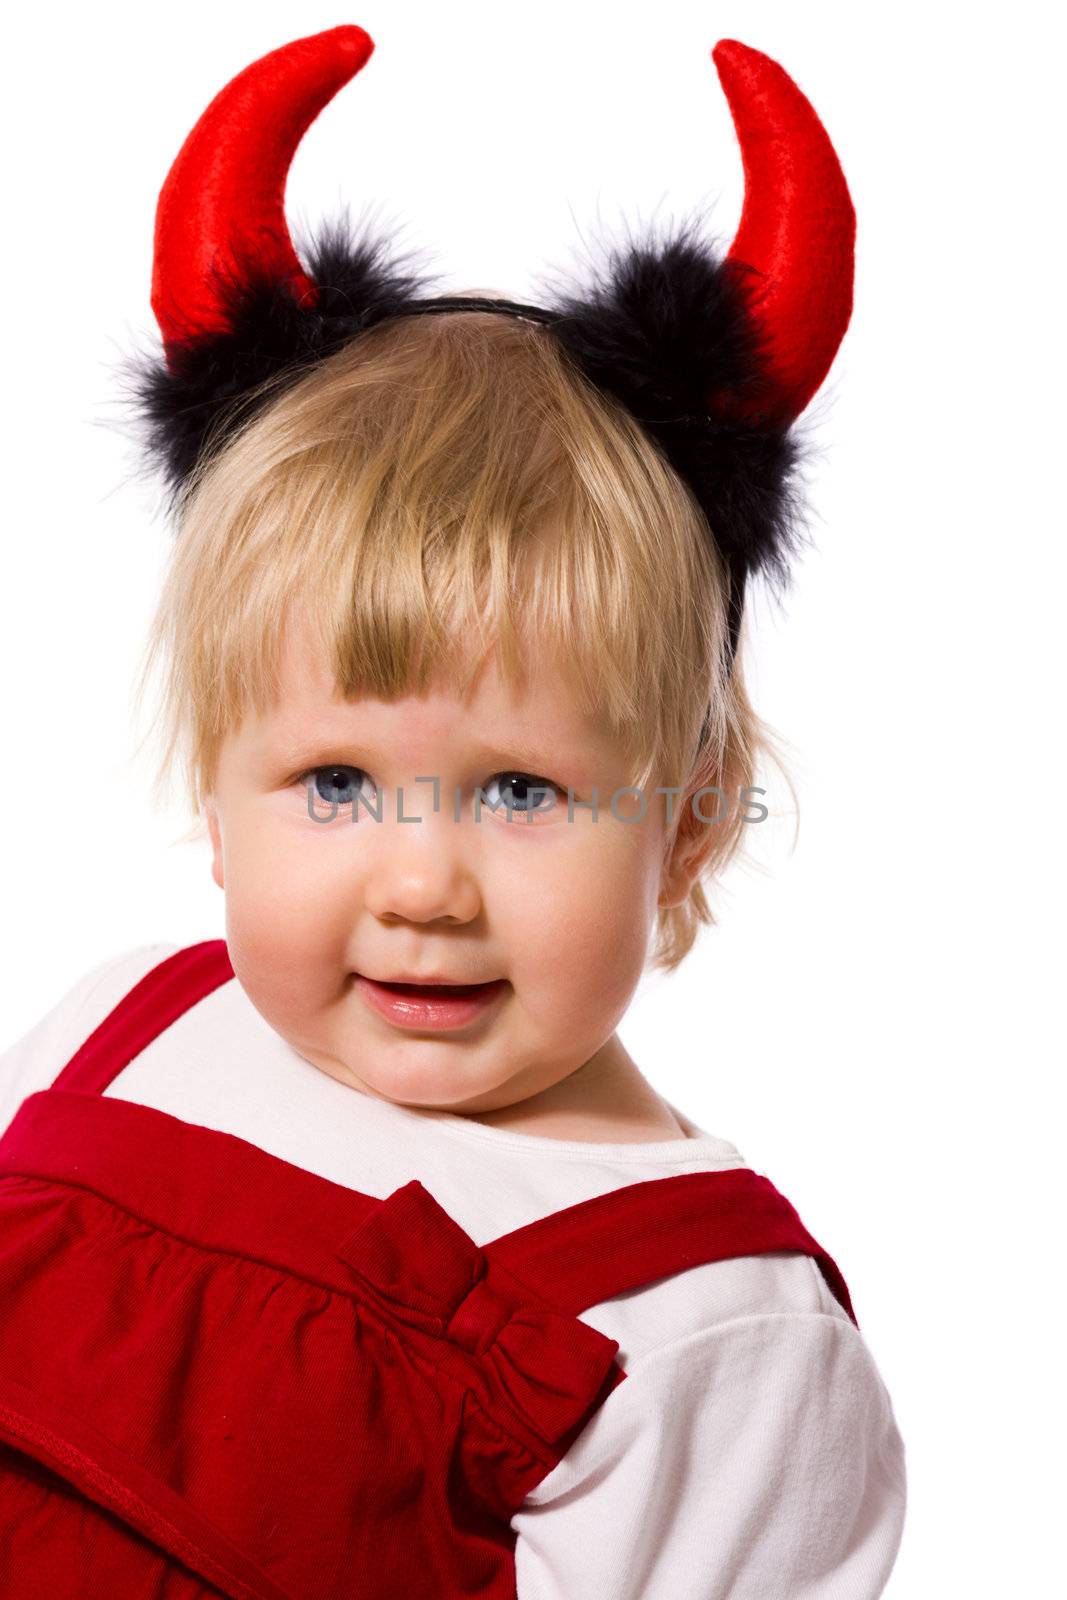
column 334, row 789
column 525, row 794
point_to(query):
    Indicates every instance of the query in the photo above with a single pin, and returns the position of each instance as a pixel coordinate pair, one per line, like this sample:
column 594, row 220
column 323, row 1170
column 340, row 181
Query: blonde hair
column 441, row 478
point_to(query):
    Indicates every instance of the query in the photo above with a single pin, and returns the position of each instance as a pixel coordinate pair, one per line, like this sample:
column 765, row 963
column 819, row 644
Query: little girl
column 352, row 1256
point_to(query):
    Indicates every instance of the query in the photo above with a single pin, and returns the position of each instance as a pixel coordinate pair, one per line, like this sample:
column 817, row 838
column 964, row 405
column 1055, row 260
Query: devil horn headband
column 715, row 357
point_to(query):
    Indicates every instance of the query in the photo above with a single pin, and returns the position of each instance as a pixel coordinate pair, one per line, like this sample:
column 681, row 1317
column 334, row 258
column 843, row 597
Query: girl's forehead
column 544, row 708
column 473, row 685
column 433, row 734
column 542, row 719
column 539, row 712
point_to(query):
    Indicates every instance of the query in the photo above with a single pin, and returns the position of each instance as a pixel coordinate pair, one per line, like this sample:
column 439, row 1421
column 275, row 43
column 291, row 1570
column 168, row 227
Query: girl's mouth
column 428, row 1005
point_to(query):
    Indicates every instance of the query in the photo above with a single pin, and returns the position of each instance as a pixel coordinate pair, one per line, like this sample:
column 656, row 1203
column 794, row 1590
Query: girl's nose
column 422, row 870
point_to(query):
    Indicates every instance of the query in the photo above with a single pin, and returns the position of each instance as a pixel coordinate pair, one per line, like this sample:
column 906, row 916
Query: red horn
column 222, row 206
column 797, row 231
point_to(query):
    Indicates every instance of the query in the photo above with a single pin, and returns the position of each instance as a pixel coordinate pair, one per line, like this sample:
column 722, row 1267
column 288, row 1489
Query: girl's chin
column 421, row 1085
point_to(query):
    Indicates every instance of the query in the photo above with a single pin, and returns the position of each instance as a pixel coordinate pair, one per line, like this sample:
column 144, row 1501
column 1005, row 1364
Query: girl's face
column 555, row 910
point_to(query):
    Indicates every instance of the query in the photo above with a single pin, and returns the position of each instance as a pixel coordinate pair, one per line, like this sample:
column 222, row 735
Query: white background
column 872, row 1021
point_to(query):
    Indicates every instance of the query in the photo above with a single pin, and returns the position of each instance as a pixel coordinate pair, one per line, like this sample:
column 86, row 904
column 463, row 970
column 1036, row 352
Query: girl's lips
column 415, row 1006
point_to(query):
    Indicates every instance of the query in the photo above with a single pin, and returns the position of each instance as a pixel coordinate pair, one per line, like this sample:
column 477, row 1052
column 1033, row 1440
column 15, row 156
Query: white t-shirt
column 751, row 1454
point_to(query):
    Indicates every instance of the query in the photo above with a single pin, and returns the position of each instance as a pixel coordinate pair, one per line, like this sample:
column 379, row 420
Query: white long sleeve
column 757, row 1460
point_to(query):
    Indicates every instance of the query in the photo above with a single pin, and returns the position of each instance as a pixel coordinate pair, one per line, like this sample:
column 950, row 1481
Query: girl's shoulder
column 35, row 1059
column 782, row 1285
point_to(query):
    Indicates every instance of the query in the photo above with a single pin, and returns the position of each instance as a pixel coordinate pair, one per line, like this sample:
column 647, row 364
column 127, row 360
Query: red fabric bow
column 547, row 1365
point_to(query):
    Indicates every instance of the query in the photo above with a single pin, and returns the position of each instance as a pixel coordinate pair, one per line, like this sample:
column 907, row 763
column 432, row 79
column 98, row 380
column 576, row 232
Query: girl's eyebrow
column 552, row 753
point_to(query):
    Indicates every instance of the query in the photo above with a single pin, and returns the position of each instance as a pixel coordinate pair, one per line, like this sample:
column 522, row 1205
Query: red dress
column 221, row 1374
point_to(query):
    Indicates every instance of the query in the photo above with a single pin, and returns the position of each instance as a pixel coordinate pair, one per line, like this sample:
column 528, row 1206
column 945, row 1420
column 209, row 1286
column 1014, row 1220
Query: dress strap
column 632, row 1236
column 163, row 994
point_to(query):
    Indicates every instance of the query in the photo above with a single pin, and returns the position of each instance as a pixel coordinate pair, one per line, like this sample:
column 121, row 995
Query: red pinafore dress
column 222, row 1374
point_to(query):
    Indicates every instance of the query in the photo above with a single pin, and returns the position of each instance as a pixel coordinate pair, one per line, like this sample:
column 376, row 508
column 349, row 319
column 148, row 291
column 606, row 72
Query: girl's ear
column 212, row 815
column 694, row 840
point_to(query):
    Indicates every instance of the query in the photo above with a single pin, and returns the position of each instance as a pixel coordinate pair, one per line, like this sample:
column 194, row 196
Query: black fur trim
column 189, row 409
column 664, row 326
